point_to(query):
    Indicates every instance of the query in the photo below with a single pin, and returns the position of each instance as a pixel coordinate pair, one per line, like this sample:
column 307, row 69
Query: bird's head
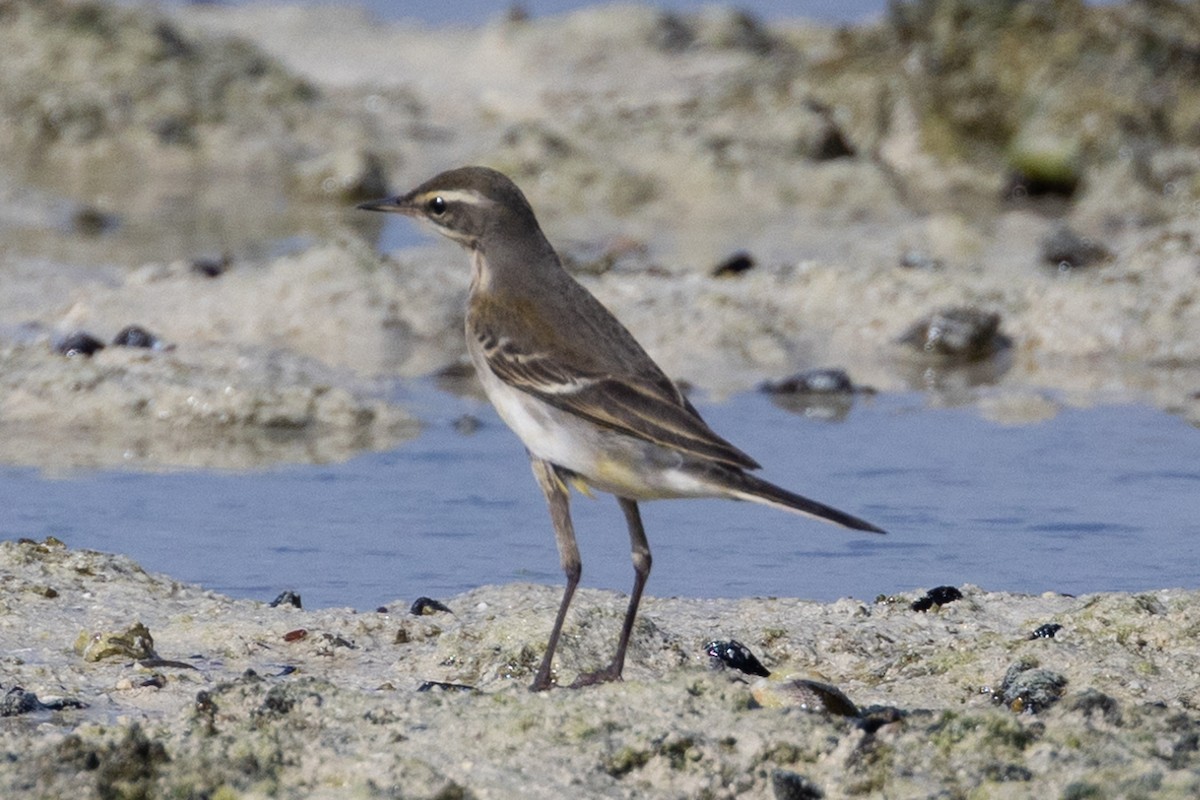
column 467, row 204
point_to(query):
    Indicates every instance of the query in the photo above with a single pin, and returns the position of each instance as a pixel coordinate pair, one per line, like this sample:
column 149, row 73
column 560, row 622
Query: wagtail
column 593, row 409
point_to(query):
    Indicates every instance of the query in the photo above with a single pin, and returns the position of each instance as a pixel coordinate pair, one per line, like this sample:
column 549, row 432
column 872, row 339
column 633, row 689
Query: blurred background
column 935, row 262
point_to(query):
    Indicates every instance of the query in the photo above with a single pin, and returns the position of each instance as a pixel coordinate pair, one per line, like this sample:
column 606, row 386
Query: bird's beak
column 386, row 204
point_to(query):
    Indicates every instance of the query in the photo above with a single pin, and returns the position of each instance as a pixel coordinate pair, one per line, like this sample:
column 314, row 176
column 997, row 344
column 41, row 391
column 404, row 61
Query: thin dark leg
column 641, row 571
column 568, row 552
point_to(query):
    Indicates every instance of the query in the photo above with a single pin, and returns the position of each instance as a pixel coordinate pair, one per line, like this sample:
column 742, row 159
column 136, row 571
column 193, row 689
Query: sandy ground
column 195, row 175
column 239, row 699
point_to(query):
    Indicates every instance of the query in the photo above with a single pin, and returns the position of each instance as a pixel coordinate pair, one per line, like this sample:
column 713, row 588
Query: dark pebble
column 736, row 264
column 63, row 703
column 423, row 606
column 788, row 785
column 79, row 343
column 671, row 33
column 156, row 681
column 813, row 381
column 734, row 655
column 212, row 266
column 937, row 596
column 1066, row 250
column 919, row 259
column 959, row 334
column 467, row 424
column 136, row 336
column 1047, row 631
column 295, row 636
column 165, row 663
column 91, row 221
column 441, row 686
column 286, row 598
column 832, row 143
column 1020, row 187
column 17, row 701
column 174, row 130
column 822, row 394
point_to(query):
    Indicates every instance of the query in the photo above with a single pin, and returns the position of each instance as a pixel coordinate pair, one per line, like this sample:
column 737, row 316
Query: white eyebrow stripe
column 467, row 196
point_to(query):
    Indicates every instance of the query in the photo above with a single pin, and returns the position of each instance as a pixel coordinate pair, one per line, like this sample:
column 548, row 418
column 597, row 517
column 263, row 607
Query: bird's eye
column 436, row 206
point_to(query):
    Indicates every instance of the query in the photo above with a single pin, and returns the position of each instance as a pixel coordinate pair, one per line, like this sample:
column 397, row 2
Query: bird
column 593, row 409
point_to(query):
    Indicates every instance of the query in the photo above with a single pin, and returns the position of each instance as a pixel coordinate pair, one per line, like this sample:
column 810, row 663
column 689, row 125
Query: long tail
column 745, row 486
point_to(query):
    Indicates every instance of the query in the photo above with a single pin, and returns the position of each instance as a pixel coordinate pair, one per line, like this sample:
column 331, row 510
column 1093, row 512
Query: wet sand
column 239, row 699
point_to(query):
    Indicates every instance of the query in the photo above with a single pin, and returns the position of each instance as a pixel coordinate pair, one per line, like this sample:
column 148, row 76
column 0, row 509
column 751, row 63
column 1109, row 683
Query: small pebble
column 136, row 336
column 958, row 334
column 424, row 606
column 805, row 694
column 1021, row 186
column 91, row 221
column 736, row 264
column 937, row 596
column 1065, row 249
column 441, row 686
column 1047, row 631
column 813, row 381
column 17, row 701
column 788, row 785
column 467, row 424
column 296, row 635
column 734, row 655
column 79, row 343
column 211, row 266
column 919, row 259
column 286, row 598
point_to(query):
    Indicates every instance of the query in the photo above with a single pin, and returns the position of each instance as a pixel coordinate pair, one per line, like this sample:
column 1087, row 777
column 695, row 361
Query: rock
column 957, row 334
column 133, row 643
column 803, row 693
column 937, row 596
column 137, row 336
column 79, row 343
column 814, row 381
column 287, row 598
column 1027, row 688
column 736, row 264
column 788, row 785
column 1065, row 249
column 424, row 606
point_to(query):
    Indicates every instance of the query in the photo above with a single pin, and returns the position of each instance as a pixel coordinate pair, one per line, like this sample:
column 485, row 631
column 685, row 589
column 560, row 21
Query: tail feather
column 749, row 487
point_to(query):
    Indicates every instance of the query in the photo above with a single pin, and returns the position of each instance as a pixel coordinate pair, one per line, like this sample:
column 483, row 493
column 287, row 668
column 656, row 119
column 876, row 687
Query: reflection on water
column 1089, row 500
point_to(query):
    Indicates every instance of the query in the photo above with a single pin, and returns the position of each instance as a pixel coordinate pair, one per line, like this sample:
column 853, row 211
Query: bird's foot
column 542, row 682
column 607, row 675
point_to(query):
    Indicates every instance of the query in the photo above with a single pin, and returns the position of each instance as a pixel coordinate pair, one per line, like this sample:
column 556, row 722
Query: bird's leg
column 568, row 551
column 641, row 570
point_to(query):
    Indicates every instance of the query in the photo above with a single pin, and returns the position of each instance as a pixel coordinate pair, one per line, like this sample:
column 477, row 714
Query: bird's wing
column 645, row 406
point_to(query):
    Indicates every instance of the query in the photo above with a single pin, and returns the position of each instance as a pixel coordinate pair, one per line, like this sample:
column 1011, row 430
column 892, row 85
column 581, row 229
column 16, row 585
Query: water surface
column 1094, row 499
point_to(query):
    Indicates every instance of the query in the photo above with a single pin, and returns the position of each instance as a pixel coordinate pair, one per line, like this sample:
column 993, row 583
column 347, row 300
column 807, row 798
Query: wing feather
column 647, row 407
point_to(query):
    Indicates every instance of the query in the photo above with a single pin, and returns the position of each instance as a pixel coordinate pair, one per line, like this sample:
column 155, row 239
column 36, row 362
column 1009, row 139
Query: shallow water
column 1103, row 498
